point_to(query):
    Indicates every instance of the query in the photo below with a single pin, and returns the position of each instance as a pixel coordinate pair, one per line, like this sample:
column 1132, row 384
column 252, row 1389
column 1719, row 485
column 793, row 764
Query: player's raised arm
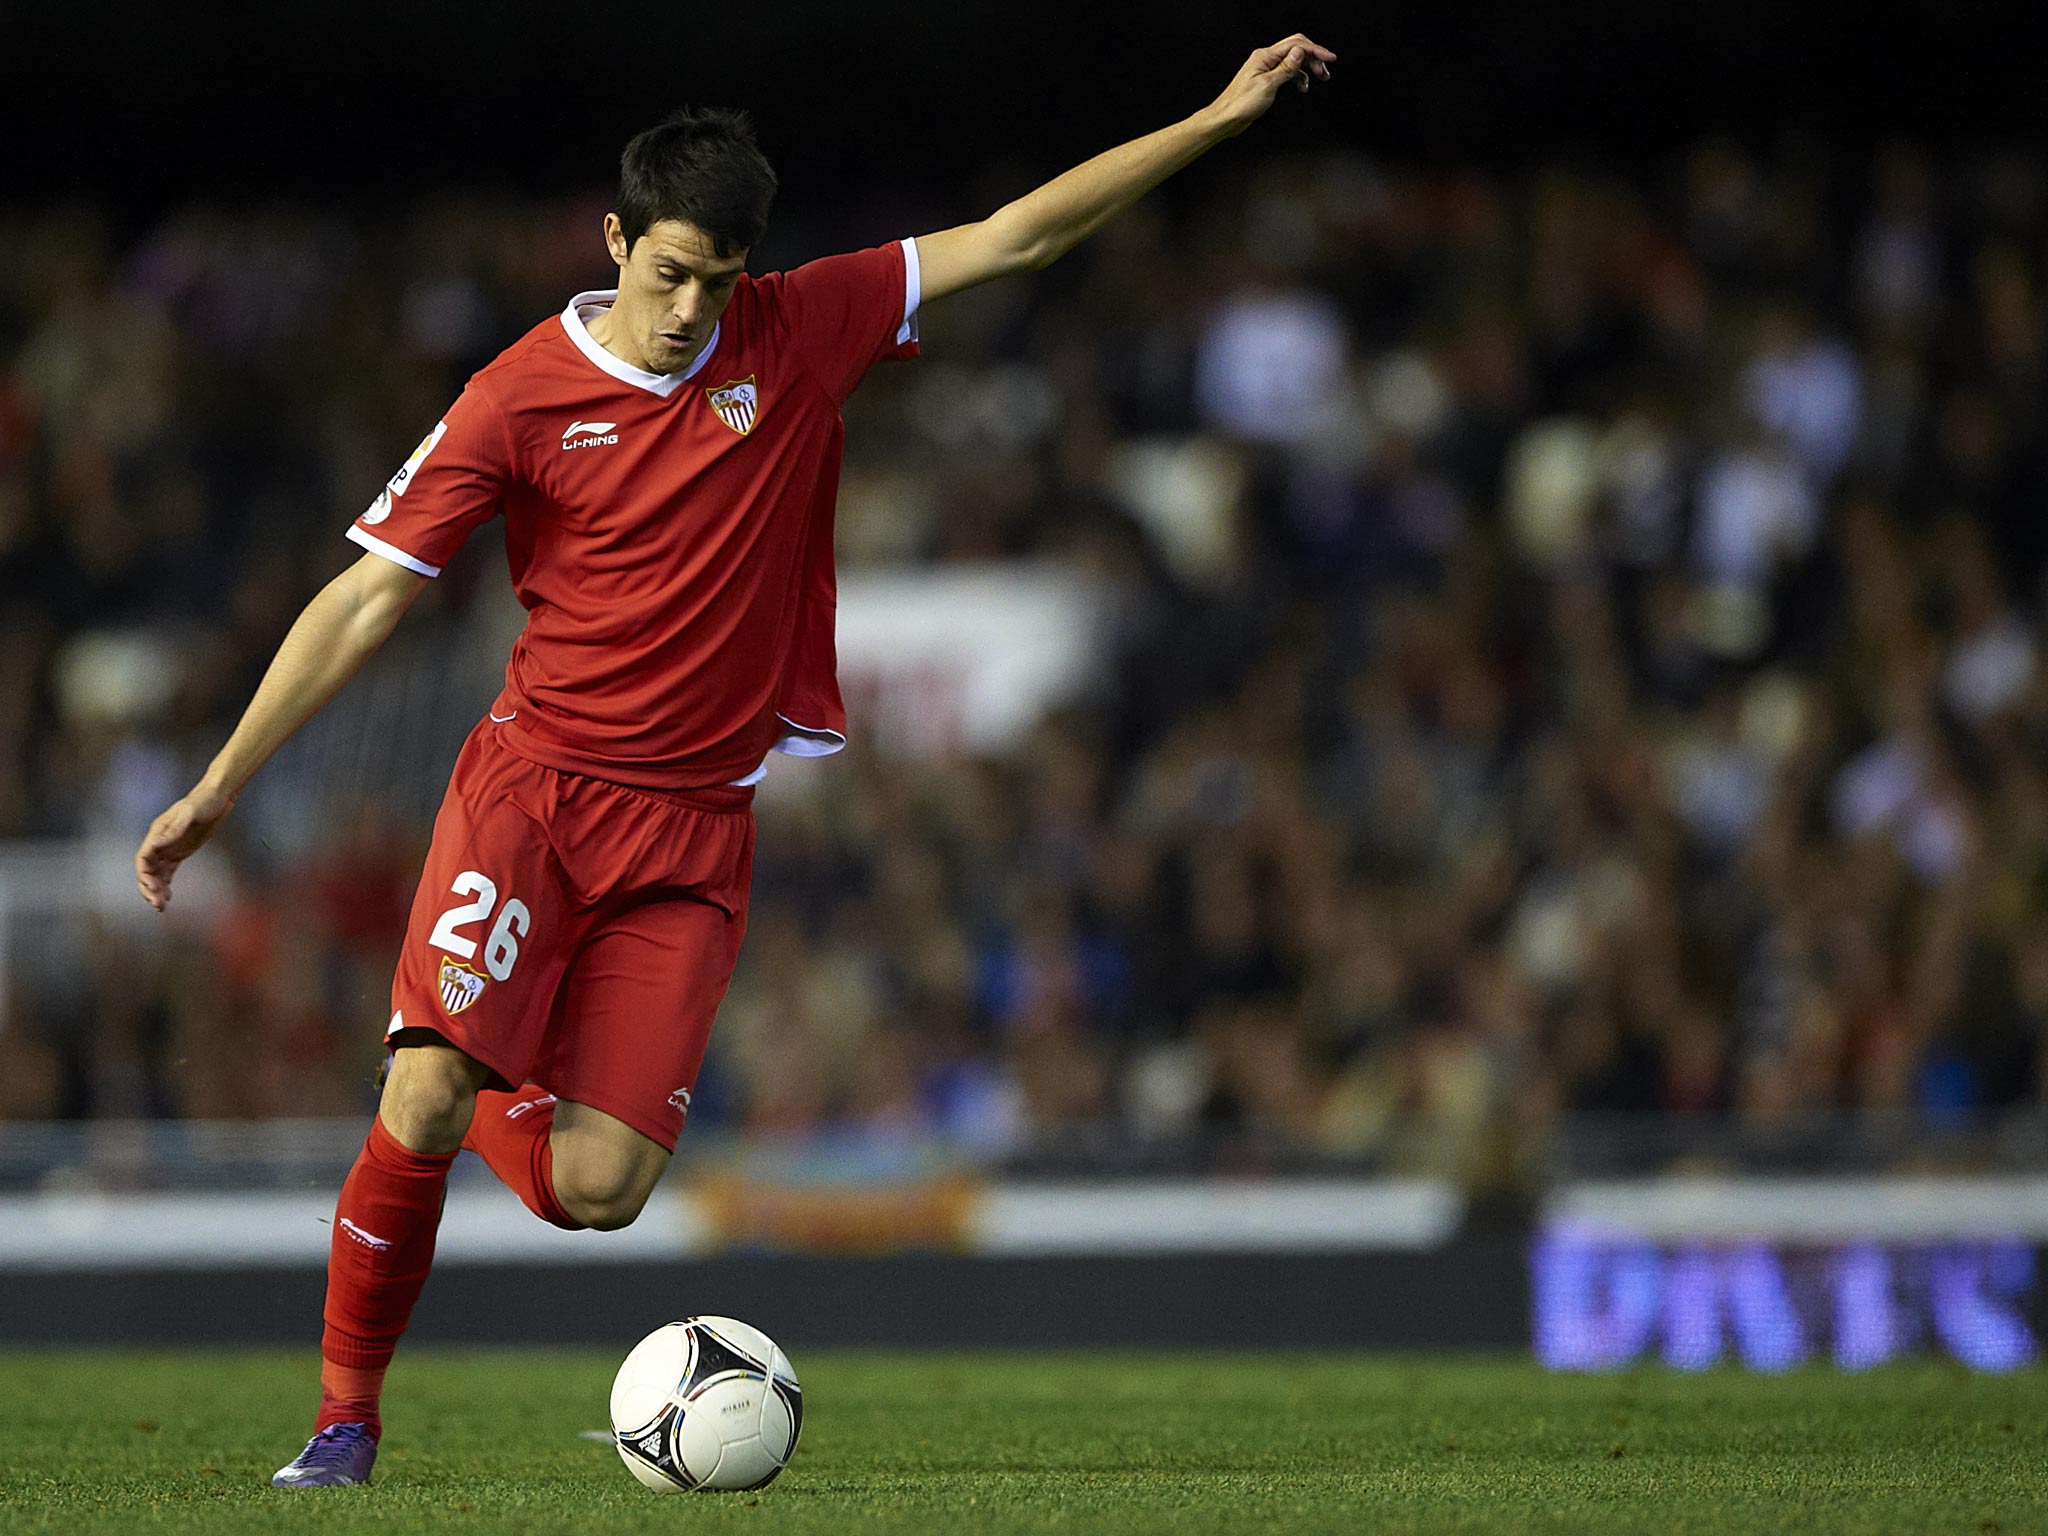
column 352, row 615
column 1042, row 226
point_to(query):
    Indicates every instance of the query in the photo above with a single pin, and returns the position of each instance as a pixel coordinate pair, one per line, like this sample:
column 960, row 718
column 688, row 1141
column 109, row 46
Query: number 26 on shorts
column 501, row 950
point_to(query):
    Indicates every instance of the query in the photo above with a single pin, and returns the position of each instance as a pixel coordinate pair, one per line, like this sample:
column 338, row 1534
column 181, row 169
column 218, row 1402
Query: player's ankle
column 371, row 1421
column 349, row 1394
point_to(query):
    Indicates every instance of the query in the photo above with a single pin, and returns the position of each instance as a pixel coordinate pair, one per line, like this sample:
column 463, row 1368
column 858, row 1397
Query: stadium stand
column 1575, row 649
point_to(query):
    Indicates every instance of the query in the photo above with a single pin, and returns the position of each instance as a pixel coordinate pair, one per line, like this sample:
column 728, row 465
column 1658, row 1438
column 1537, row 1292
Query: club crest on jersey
column 460, row 986
column 737, row 402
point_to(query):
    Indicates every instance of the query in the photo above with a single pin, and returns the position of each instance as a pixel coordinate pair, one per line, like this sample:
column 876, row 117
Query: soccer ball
column 708, row 1402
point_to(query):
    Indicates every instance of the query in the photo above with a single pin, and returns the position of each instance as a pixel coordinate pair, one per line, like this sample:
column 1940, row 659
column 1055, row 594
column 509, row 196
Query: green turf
column 487, row 1442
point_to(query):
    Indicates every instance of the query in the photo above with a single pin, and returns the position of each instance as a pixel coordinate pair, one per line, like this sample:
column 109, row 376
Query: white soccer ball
column 708, row 1402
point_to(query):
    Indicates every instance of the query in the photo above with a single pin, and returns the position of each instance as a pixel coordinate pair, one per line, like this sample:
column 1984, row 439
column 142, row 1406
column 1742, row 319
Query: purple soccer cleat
column 339, row 1456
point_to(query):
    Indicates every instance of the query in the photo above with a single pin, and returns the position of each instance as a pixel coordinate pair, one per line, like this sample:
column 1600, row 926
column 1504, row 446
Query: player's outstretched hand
column 1293, row 59
column 173, row 838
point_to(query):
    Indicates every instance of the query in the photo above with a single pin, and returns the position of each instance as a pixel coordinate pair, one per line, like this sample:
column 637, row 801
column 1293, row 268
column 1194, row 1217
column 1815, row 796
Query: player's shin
column 512, row 1133
column 378, row 1258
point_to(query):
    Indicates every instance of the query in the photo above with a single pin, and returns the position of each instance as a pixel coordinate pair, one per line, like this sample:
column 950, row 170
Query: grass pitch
column 103, row 1441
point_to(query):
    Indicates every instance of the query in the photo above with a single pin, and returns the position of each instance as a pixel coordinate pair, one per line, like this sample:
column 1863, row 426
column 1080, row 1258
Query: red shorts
column 576, row 933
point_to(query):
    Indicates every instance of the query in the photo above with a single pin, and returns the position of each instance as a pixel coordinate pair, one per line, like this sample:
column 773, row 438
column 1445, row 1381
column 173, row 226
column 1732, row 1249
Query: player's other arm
column 353, row 615
column 1042, row 226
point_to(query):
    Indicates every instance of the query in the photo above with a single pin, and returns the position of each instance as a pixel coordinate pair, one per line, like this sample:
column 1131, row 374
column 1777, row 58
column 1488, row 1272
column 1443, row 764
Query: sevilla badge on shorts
column 460, row 986
column 736, row 401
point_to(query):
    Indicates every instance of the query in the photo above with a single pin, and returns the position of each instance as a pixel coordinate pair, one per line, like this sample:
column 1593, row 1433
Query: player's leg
column 385, row 1224
column 633, row 1017
column 379, row 1253
column 471, row 996
column 634, row 1008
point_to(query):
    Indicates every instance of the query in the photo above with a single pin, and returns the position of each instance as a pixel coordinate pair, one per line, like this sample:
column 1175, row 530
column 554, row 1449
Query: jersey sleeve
column 847, row 313
column 452, row 484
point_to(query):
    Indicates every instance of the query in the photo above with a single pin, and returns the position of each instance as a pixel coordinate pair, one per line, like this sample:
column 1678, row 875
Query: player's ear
column 615, row 239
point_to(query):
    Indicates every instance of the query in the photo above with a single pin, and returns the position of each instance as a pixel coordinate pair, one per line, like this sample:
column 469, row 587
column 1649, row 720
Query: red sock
column 377, row 1261
column 510, row 1132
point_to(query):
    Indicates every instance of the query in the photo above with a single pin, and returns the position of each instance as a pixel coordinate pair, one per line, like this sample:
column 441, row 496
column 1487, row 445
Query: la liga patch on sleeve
column 411, row 466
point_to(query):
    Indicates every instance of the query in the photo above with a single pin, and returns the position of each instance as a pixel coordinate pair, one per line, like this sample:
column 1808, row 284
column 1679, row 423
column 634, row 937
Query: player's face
column 673, row 286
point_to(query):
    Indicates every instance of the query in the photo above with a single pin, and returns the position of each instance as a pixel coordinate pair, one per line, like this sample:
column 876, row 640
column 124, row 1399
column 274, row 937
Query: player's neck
column 616, row 332
column 613, row 338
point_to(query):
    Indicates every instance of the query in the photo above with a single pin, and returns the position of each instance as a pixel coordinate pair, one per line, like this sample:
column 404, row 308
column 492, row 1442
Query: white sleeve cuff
column 913, row 290
column 808, row 740
column 391, row 552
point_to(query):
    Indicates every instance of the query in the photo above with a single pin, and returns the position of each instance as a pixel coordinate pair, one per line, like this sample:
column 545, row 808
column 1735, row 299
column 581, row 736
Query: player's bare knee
column 603, row 1199
column 429, row 1097
column 602, row 1208
column 432, row 1120
column 599, row 1214
column 611, row 1215
column 604, row 1169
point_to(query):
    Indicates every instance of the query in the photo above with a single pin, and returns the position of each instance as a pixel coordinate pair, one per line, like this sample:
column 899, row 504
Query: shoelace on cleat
column 333, row 1444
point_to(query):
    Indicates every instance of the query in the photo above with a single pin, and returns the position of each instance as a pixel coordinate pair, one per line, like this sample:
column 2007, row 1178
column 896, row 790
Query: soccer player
column 666, row 459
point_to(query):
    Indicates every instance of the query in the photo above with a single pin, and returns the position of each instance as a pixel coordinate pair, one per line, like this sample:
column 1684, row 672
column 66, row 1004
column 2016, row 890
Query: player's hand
column 173, row 838
column 1293, row 60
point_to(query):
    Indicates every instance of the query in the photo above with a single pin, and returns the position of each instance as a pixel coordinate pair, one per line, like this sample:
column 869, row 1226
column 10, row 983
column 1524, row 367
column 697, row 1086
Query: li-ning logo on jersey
column 737, row 402
column 680, row 1099
column 460, row 986
column 589, row 434
column 403, row 479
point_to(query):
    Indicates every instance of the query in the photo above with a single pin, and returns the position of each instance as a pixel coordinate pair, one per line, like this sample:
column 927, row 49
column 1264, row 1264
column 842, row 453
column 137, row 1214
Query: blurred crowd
column 1577, row 649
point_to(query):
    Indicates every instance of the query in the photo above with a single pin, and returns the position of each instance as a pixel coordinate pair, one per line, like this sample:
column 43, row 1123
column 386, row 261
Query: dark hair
column 701, row 166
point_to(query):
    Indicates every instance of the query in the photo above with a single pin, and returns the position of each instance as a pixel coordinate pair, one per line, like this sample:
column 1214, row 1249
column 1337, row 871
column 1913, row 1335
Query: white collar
column 663, row 384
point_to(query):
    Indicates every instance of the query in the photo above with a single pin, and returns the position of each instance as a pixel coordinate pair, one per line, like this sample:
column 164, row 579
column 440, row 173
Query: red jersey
column 670, row 535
